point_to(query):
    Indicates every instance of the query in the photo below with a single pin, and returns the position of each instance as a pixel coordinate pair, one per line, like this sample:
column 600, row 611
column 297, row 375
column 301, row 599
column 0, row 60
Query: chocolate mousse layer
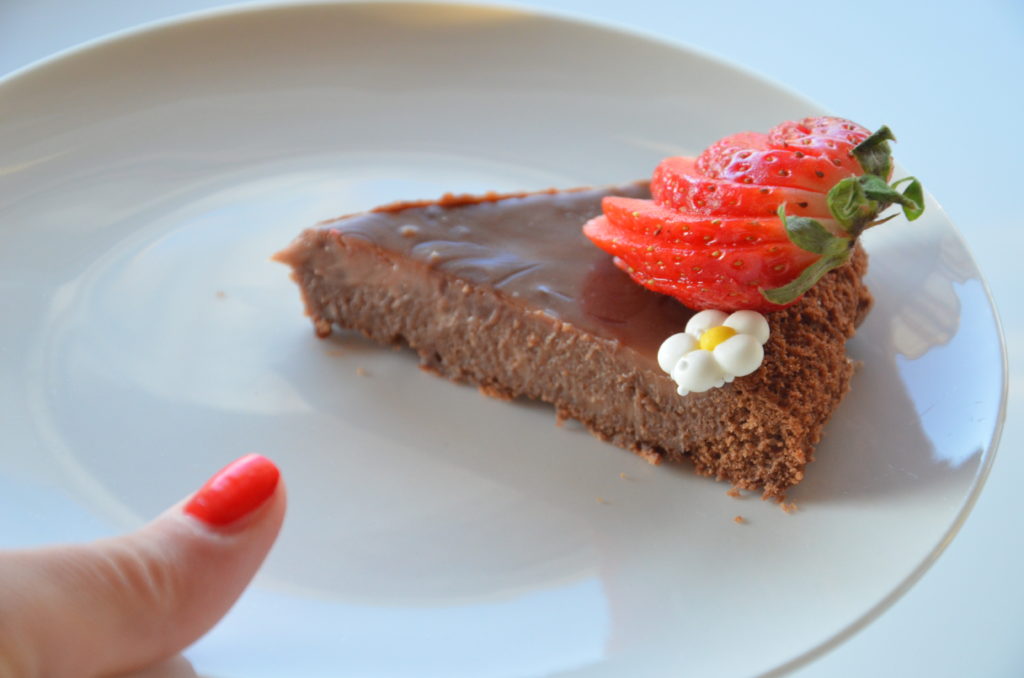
column 506, row 293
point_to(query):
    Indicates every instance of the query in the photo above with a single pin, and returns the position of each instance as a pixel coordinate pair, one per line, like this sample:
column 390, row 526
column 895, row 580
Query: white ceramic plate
column 145, row 181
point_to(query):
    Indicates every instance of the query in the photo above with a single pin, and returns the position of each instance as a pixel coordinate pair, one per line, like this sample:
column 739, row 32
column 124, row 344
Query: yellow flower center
column 713, row 336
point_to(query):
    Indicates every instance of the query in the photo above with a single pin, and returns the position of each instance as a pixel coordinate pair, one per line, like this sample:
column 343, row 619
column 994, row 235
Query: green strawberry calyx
column 855, row 204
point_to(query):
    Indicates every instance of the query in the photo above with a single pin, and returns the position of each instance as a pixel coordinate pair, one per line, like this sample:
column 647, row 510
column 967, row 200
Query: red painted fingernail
column 235, row 491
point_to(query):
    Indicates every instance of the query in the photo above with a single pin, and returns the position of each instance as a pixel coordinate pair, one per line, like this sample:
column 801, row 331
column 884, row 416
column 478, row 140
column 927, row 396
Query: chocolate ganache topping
column 531, row 249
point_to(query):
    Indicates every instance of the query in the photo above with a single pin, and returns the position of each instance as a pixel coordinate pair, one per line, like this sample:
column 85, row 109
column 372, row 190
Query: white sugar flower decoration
column 715, row 349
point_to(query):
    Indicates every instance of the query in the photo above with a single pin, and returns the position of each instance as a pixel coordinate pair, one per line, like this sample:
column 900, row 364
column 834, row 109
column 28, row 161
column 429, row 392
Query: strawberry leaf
column 811, row 275
column 879, row 222
column 913, row 198
column 874, row 154
column 805, row 233
column 855, row 202
column 850, row 204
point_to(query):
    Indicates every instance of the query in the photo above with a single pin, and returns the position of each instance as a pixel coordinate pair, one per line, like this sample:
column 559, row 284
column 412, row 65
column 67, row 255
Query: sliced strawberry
column 775, row 167
column 757, row 219
column 681, row 230
column 826, row 137
column 677, row 185
column 720, row 153
column 763, row 258
column 717, row 273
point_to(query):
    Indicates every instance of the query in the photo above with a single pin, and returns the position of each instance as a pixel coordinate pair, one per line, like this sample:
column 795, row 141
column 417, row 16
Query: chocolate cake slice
column 505, row 292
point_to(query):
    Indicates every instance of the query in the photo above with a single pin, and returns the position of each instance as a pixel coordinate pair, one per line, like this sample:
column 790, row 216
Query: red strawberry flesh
column 676, row 184
column 776, row 167
column 828, row 137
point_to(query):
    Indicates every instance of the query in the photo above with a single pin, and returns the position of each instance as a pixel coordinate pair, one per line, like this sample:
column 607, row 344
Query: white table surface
column 948, row 78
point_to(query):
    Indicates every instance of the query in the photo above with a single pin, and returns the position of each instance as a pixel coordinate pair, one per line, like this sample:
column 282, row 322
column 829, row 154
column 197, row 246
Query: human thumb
column 120, row 604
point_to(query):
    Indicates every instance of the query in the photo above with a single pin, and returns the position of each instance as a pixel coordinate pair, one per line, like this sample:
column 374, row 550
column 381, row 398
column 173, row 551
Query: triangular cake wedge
column 505, row 292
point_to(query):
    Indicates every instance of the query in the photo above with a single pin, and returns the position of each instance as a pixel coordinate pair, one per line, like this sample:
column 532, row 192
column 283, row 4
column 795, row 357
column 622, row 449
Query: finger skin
column 120, row 604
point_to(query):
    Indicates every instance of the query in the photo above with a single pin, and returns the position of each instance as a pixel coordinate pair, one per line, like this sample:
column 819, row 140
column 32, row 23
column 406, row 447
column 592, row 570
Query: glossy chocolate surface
column 531, row 249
